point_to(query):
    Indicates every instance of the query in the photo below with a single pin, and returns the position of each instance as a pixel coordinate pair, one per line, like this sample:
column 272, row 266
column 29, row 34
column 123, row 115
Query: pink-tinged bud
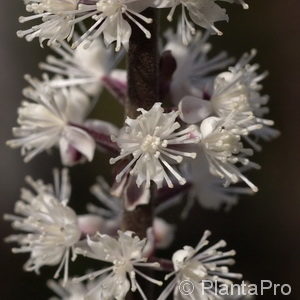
column 91, row 224
column 163, row 233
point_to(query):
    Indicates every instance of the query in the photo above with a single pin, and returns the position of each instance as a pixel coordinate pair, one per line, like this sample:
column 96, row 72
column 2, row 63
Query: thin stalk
column 143, row 92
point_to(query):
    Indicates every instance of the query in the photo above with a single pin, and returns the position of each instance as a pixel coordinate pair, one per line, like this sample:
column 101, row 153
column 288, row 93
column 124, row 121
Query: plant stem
column 143, row 92
column 143, row 67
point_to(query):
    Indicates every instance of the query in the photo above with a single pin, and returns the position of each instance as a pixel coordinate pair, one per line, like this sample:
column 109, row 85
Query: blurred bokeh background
column 264, row 229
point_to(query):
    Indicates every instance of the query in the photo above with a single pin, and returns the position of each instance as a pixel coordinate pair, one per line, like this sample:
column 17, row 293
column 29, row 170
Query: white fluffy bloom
column 198, row 267
column 110, row 20
column 60, row 16
column 46, row 120
column 207, row 189
column 203, row 13
column 235, row 90
column 220, row 140
column 84, row 67
column 239, row 88
column 57, row 20
column 151, row 140
column 193, row 75
column 125, row 255
column 50, row 226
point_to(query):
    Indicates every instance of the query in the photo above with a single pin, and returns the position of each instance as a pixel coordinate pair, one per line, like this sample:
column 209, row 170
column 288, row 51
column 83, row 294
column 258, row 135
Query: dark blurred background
column 264, row 229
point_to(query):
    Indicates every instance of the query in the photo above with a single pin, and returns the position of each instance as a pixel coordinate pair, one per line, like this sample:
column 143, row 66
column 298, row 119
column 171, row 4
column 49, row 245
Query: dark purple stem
column 117, row 88
column 167, row 67
column 143, row 92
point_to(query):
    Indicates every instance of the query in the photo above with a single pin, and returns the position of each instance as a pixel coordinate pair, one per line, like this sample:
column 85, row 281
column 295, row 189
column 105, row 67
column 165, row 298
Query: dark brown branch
column 143, row 67
column 143, row 92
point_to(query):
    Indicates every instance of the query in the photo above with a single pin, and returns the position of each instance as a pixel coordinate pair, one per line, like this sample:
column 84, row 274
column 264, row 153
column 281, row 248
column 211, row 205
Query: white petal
column 102, row 127
column 194, row 110
column 208, row 126
column 164, row 233
column 134, row 195
column 117, row 31
column 69, row 155
column 120, row 75
column 81, row 141
column 90, row 224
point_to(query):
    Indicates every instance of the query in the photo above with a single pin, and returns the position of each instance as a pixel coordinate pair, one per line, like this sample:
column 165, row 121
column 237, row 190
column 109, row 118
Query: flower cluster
column 151, row 139
column 50, row 226
column 125, row 255
column 228, row 111
column 90, row 69
column 52, row 118
column 198, row 268
column 192, row 143
column 114, row 19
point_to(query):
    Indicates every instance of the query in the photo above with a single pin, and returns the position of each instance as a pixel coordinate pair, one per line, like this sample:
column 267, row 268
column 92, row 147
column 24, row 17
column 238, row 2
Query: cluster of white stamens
column 125, row 255
column 47, row 118
column 211, row 264
column 151, row 140
column 113, row 18
column 50, row 226
column 222, row 146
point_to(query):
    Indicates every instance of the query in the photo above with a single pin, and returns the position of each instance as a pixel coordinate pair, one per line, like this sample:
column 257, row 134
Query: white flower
column 60, row 16
column 125, row 255
column 57, row 17
column 208, row 189
column 203, row 13
column 51, row 6
column 239, row 89
column 150, row 139
column 46, row 120
column 193, row 75
column 84, row 67
column 110, row 20
column 235, row 90
column 50, row 226
column 199, row 267
column 220, row 140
